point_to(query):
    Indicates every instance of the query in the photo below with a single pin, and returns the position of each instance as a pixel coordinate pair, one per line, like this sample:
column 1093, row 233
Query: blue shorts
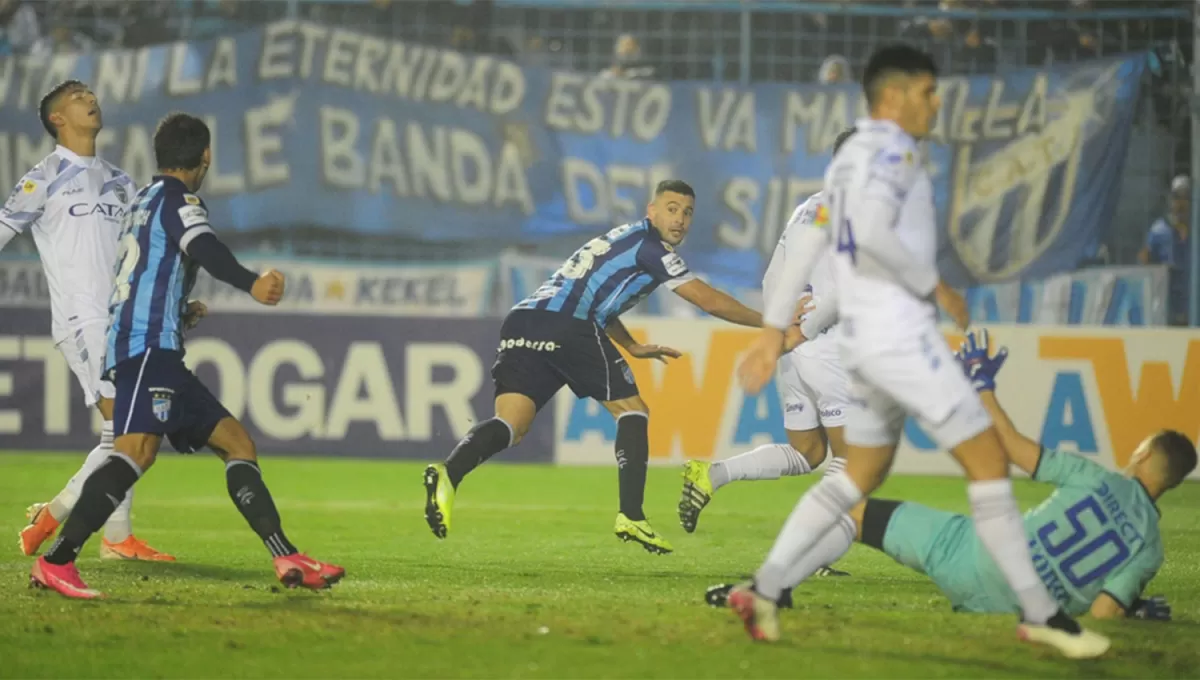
column 157, row 394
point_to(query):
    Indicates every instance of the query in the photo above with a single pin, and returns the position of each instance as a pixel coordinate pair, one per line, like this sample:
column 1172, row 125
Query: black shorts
column 541, row 351
column 157, row 394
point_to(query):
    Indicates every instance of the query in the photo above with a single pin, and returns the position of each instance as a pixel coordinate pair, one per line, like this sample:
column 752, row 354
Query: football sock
column 484, row 440
column 101, row 494
column 769, row 461
column 998, row 524
column 834, row 466
column 633, row 454
column 817, row 513
column 250, row 495
column 120, row 524
column 828, row 549
column 62, row 504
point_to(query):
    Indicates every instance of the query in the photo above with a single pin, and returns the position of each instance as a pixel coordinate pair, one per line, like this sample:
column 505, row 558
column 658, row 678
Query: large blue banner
column 325, row 127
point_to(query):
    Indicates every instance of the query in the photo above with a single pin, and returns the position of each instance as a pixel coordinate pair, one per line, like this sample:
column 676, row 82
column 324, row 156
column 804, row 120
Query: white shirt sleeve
column 24, row 206
column 890, row 176
column 807, row 239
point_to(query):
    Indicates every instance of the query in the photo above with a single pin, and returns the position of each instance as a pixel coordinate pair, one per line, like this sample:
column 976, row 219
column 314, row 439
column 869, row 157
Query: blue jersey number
column 1108, row 540
column 841, row 223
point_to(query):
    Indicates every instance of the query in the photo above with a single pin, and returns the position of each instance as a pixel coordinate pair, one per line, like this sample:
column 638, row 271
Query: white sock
column 829, row 549
column 769, row 461
column 119, row 525
column 64, row 502
column 816, row 514
column 834, row 466
column 1000, row 529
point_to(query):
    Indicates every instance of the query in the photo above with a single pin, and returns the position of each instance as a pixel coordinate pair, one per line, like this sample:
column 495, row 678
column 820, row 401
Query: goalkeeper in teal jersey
column 1095, row 541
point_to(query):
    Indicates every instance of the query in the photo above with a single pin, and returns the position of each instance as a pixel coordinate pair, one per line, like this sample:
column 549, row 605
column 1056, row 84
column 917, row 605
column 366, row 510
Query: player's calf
column 249, row 493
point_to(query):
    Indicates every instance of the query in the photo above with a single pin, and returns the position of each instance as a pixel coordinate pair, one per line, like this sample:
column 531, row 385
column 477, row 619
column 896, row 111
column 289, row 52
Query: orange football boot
column 42, row 526
column 132, row 548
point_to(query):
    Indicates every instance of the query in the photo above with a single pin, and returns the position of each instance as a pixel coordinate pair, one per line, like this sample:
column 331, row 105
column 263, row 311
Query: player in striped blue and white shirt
column 563, row 334
column 166, row 239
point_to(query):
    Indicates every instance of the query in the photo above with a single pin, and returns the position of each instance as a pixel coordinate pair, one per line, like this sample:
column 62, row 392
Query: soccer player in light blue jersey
column 563, row 334
column 166, row 239
column 1095, row 541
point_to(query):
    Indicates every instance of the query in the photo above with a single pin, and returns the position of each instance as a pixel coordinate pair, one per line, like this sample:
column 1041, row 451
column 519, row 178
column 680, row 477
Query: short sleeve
column 663, row 263
column 1068, row 469
column 185, row 217
column 892, row 171
column 24, row 205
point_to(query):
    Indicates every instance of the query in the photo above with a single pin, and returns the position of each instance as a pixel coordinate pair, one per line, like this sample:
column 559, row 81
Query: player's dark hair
column 891, row 60
column 180, row 141
column 675, row 186
column 1178, row 452
column 841, row 138
column 49, row 99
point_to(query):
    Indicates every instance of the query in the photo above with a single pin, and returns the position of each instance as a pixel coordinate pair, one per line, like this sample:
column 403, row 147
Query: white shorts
column 919, row 377
column 84, row 351
column 815, row 390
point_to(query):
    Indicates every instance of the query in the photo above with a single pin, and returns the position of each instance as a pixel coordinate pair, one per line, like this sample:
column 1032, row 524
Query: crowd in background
column 668, row 39
column 686, row 42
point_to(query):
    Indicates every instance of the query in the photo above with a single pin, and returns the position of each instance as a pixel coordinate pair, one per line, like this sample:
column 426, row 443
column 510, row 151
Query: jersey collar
column 173, row 181
column 75, row 159
column 879, row 124
column 1148, row 496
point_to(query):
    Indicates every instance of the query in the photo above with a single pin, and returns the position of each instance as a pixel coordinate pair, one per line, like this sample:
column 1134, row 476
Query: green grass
column 531, row 583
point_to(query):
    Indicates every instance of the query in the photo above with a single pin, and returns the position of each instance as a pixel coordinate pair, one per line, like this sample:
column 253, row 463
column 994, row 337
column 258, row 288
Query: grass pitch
column 531, row 583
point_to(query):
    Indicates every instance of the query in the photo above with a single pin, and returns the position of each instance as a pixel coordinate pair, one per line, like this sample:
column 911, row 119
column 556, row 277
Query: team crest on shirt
column 122, row 195
column 29, row 186
column 821, row 219
column 160, row 402
column 627, row 372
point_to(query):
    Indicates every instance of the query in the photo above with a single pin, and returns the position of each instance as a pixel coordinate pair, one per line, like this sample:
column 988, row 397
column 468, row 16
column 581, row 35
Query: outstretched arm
column 1022, row 451
column 620, row 335
column 722, row 305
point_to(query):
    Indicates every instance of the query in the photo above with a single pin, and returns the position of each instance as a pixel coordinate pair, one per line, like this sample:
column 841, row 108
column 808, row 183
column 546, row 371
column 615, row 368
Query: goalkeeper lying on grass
column 1095, row 540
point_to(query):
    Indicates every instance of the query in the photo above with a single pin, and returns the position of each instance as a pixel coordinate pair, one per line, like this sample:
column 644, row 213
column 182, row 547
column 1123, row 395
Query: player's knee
column 231, row 441
column 810, row 444
column 142, row 449
column 982, row 457
column 620, row 407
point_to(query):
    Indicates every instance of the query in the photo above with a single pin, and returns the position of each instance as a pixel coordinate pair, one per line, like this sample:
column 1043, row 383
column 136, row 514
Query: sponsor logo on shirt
column 193, row 216
column 674, row 264
column 109, row 210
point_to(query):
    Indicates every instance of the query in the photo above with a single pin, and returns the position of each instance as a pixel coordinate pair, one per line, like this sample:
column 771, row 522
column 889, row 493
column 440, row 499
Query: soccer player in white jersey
column 814, row 386
column 884, row 247
column 73, row 203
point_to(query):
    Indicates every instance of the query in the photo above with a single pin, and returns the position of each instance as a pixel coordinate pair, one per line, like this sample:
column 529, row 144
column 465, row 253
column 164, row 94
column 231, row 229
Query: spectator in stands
column 62, row 39
column 19, row 26
column 835, row 69
column 1169, row 242
column 627, row 61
